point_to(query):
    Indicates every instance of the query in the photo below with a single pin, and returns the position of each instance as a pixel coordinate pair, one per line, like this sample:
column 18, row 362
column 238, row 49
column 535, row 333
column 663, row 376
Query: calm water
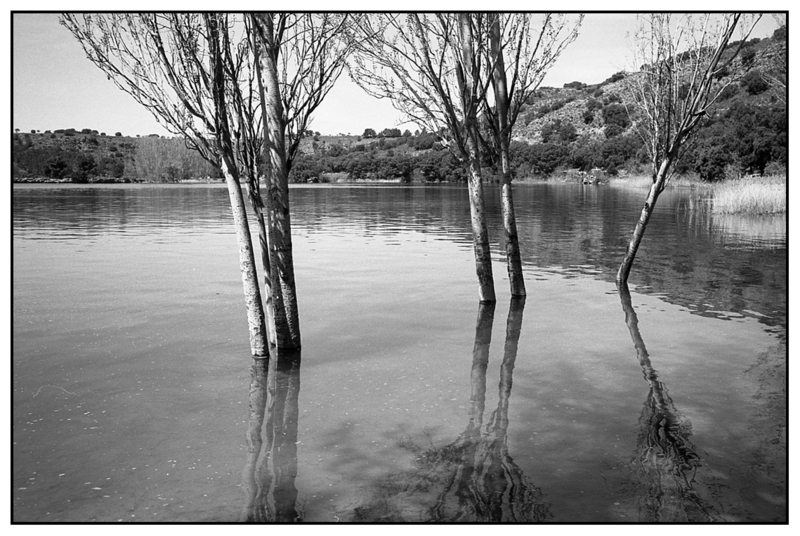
column 135, row 399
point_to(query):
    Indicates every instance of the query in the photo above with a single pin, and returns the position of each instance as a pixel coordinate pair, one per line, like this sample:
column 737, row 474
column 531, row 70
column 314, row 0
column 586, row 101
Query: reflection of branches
column 474, row 478
column 665, row 458
column 271, row 469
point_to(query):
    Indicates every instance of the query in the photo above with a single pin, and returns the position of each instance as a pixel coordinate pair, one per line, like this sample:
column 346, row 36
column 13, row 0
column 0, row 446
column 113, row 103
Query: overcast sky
column 55, row 86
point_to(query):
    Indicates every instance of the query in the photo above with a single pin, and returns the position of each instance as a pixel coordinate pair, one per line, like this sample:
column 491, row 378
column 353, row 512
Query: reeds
column 751, row 195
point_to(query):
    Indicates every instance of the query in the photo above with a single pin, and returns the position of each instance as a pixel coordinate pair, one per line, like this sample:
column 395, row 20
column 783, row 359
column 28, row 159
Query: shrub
column 710, row 162
column 615, row 77
column 754, row 83
column 728, row 92
column 575, row 85
column 57, row 168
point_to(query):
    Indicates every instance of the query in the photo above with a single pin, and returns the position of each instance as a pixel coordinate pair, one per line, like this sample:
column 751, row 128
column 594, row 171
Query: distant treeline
column 742, row 139
column 577, row 127
column 89, row 155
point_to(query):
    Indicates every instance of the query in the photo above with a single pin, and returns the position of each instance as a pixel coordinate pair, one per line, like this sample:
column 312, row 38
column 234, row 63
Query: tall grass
column 751, row 195
column 645, row 181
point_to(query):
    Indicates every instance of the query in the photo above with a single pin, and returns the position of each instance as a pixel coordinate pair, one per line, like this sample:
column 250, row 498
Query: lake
column 135, row 398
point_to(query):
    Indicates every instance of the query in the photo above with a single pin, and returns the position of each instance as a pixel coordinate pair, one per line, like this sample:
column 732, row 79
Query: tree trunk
column 638, row 232
column 480, row 232
column 268, row 289
column 513, row 258
column 287, row 325
column 257, row 202
column 259, row 207
column 247, row 265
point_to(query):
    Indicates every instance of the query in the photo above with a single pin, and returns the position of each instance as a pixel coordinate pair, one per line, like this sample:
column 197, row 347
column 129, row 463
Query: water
column 135, row 399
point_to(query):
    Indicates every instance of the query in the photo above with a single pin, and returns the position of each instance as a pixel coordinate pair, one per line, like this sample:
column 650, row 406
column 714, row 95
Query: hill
column 576, row 127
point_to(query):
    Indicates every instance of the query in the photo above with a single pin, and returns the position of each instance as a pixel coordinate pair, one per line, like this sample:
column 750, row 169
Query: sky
column 54, row 86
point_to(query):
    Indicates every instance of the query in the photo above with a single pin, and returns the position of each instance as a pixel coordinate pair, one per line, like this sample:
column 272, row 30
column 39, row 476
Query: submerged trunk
column 471, row 155
column 268, row 290
column 638, row 232
column 480, row 232
column 513, row 258
column 287, row 324
column 257, row 203
column 252, row 295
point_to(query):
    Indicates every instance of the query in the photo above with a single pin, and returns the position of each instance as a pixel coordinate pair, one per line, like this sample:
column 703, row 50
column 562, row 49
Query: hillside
column 579, row 126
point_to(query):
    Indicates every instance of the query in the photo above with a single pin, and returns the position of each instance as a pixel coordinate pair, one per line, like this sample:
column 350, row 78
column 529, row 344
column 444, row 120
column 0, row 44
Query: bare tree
column 429, row 66
column 175, row 66
column 241, row 90
column 518, row 55
column 775, row 68
column 682, row 61
column 297, row 59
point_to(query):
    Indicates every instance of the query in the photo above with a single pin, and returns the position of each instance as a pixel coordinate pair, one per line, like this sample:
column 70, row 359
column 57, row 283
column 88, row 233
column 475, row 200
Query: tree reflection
column 474, row 478
column 666, row 462
column 269, row 474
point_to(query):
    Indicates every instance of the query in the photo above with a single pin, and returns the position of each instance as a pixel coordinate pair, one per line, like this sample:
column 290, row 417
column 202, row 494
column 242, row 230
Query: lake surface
column 135, row 398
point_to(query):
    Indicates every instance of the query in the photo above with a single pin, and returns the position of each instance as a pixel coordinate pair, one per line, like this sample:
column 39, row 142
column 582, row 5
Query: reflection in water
column 269, row 475
column 666, row 461
column 474, row 478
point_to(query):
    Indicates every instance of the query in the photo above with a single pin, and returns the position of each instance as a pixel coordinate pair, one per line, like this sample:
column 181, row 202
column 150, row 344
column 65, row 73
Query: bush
column 575, row 85
column 710, row 162
column 727, row 93
column 616, row 115
column 615, row 77
column 85, row 167
column 57, row 168
column 754, row 83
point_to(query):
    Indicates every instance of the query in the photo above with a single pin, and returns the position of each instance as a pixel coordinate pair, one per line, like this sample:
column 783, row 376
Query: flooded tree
column 175, row 66
column 518, row 54
column 683, row 64
column 297, row 57
column 240, row 90
column 429, row 65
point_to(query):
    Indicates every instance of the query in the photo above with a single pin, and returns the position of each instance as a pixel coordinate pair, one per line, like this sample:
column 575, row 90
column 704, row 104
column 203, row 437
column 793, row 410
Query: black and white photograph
column 398, row 267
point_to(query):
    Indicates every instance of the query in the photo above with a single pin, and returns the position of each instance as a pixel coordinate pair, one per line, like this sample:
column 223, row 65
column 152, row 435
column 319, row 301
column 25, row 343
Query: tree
column 174, row 65
column 369, row 133
column 531, row 53
column 429, row 65
column 85, row 167
column 672, row 53
column 202, row 77
column 57, row 168
column 776, row 71
column 297, row 58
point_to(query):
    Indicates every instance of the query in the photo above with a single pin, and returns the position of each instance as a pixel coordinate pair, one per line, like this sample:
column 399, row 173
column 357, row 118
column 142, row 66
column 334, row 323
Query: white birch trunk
column 247, row 265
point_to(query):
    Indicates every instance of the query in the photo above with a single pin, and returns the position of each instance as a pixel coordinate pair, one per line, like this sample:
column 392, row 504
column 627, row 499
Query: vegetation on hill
column 577, row 127
column 90, row 156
